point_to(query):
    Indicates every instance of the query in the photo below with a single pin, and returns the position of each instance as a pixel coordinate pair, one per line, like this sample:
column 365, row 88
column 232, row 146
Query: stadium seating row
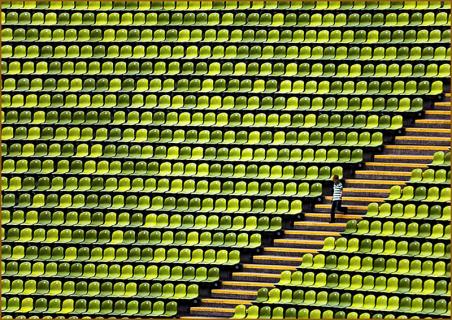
column 430, row 176
column 305, row 20
column 164, row 36
column 137, row 184
column 291, row 70
column 408, row 212
column 151, row 221
column 229, row 5
column 377, row 265
column 167, row 204
column 441, row 159
column 368, row 284
column 142, row 238
column 181, row 137
column 137, row 272
column 93, row 307
column 116, row 290
column 162, row 221
column 333, row 304
column 164, row 186
column 206, row 52
column 410, row 193
column 207, row 104
column 387, row 248
column 120, row 254
column 312, row 87
column 199, row 119
column 400, row 229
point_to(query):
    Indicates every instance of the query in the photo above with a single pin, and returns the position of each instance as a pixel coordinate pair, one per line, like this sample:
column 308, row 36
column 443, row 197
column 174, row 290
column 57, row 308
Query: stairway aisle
column 371, row 183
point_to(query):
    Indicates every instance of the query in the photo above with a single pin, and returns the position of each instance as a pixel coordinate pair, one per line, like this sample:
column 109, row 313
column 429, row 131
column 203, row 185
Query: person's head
column 335, row 178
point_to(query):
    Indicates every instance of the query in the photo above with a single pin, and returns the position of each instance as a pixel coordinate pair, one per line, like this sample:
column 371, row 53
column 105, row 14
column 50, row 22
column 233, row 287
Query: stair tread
column 379, row 182
column 422, row 138
column 319, row 224
column 268, row 266
column 442, row 103
column 212, row 309
column 297, row 241
column 438, row 112
column 357, row 190
column 349, row 207
column 338, row 215
column 235, row 291
column 358, row 199
column 397, row 164
column 433, row 121
column 290, row 250
column 403, row 156
column 226, row 301
column 277, row 258
column 195, row 318
column 384, row 173
column 417, row 147
column 313, row 233
column 248, row 284
column 256, row 275
column 436, row 130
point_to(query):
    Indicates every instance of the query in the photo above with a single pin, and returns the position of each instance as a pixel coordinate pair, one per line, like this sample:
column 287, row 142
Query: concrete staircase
column 371, row 183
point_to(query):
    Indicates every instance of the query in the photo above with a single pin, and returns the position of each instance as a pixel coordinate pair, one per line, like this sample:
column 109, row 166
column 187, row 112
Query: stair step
column 438, row 112
column 198, row 318
column 248, row 284
column 421, row 138
column 319, row 224
column 235, row 292
column 417, row 147
column 383, row 173
column 432, row 121
column 338, row 215
column 403, row 157
column 397, row 164
column 367, row 190
column 432, row 130
column 256, row 275
column 313, row 233
column 212, row 310
column 277, row 258
column 375, row 182
column 358, row 199
column 442, row 103
column 234, row 302
column 328, row 206
column 298, row 242
column 268, row 266
column 289, row 250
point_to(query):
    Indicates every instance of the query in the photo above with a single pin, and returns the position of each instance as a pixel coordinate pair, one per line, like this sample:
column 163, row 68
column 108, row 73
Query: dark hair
column 335, row 176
